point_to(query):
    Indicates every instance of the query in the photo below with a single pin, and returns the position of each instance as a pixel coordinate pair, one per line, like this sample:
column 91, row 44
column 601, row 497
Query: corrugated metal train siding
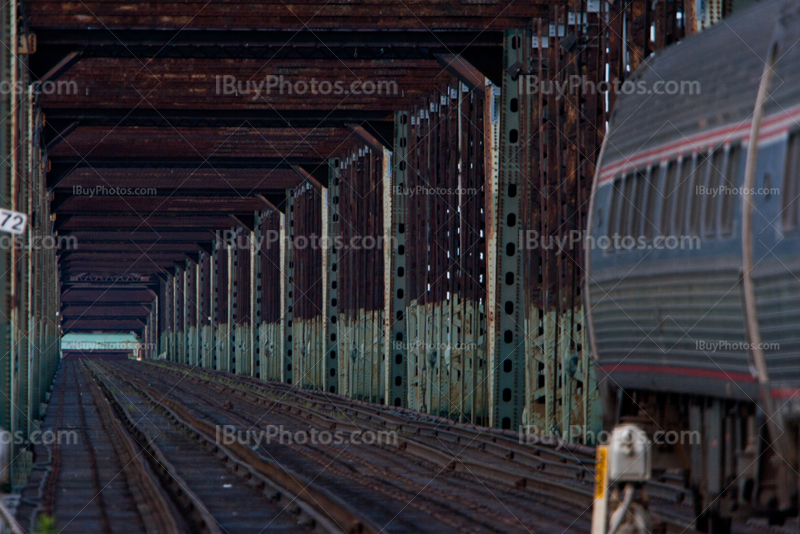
column 671, row 319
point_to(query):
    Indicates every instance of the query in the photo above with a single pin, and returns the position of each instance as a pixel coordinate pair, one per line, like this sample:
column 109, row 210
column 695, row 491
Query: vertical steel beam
column 197, row 336
column 506, row 358
column 213, row 267
column 184, row 317
column 287, row 286
column 235, row 361
column 253, row 323
column 256, row 284
column 330, row 282
column 173, row 321
column 206, row 281
column 228, row 289
column 395, row 213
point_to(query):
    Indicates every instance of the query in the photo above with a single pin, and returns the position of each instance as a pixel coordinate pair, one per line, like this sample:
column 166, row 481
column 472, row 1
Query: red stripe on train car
column 684, row 371
column 784, row 393
column 771, row 127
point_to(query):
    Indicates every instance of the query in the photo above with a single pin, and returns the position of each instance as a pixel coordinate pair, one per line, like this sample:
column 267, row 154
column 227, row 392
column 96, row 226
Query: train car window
column 669, row 193
column 627, row 210
column 653, row 194
column 731, row 178
column 613, row 211
column 683, row 190
column 697, row 181
column 715, row 177
column 638, row 217
column 791, row 184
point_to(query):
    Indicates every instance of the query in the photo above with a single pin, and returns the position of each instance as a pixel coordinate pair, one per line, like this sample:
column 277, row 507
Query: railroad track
column 94, row 477
column 136, row 468
column 560, row 469
column 404, row 487
column 151, row 459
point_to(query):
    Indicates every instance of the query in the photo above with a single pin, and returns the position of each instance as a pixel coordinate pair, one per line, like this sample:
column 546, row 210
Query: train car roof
column 718, row 71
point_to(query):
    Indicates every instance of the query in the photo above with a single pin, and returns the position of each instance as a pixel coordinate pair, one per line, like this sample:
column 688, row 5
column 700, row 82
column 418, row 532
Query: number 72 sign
column 12, row 222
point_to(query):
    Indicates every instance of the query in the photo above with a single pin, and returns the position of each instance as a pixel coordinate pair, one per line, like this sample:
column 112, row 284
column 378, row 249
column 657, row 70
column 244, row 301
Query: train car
column 693, row 264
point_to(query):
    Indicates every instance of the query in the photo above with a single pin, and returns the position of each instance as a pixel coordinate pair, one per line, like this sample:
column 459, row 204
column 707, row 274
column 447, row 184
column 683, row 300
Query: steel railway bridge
column 314, row 215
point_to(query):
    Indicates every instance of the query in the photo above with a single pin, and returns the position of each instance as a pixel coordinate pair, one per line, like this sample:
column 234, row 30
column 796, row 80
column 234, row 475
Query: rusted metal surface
column 221, row 142
column 446, row 255
column 386, row 15
column 269, row 286
column 361, row 274
column 561, row 132
column 307, row 319
column 222, row 293
column 241, row 301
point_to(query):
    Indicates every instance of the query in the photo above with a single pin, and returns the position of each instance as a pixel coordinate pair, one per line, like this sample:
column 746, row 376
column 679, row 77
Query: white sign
column 12, row 222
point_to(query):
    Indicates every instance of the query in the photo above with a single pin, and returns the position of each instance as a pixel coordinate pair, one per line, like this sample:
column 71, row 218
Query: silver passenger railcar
column 693, row 263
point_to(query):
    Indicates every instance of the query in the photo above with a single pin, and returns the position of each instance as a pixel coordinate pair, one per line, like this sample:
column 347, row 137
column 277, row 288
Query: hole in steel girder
column 333, row 355
column 398, row 381
column 506, row 424
column 509, row 278
column 507, row 365
column 513, row 136
column 507, row 395
column 513, row 105
column 508, row 336
column 509, row 307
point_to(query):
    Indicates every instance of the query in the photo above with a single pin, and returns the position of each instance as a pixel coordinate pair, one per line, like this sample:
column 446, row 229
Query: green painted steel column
column 330, row 269
column 287, row 285
column 397, row 342
column 507, row 360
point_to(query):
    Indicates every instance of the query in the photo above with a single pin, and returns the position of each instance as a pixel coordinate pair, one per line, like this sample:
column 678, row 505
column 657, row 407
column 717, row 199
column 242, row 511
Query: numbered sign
column 12, row 222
